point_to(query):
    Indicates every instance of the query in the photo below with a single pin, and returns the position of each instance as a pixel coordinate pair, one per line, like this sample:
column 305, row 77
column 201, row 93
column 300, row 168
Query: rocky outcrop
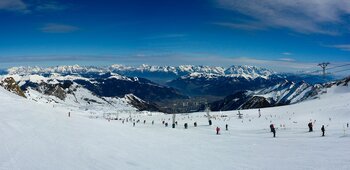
column 255, row 102
column 140, row 104
column 11, row 85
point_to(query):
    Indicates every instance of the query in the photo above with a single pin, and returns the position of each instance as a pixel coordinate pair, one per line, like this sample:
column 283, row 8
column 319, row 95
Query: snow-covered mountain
column 283, row 93
column 109, row 91
column 201, row 84
column 164, row 73
column 179, row 70
column 41, row 136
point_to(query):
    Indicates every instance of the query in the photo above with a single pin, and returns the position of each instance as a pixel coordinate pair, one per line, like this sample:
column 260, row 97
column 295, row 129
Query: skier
column 217, row 130
column 133, row 124
column 226, row 126
column 210, row 123
column 271, row 127
column 323, row 130
column 68, row 114
column 347, row 125
column 259, row 113
column 195, row 124
column 144, row 121
column 152, row 122
column 185, row 125
column 310, row 127
column 273, row 130
column 166, row 124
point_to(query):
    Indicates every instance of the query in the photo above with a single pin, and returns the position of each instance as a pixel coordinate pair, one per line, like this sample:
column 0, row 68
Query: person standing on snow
column 217, row 130
column 226, row 126
column 273, row 130
column 323, row 130
column 310, row 127
column 271, row 127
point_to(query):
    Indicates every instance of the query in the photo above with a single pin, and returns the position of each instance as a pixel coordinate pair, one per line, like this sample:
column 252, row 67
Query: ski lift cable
column 338, row 66
column 341, row 70
column 312, row 72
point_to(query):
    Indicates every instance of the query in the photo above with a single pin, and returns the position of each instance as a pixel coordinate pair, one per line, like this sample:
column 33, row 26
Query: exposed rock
column 11, row 85
column 255, row 102
column 140, row 104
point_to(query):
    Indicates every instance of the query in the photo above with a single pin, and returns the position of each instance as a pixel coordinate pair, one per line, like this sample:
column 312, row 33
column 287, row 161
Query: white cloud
column 243, row 26
column 166, row 36
column 344, row 47
column 286, row 53
column 286, row 59
column 13, row 5
column 303, row 16
column 31, row 6
column 49, row 5
column 58, row 28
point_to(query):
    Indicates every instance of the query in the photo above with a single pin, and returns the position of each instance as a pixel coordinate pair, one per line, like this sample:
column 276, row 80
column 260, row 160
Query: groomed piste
column 40, row 136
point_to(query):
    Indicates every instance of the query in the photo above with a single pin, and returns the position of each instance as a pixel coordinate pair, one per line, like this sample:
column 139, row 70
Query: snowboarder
column 310, row 127
column 217, row 130
column 185, row 125
column 323, row 130
column 226, row 126
column 273, row 130
column 195, row 124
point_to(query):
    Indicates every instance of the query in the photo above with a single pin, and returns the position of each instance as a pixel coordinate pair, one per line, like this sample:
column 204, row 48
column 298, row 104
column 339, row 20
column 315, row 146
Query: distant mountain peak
column 243, row 71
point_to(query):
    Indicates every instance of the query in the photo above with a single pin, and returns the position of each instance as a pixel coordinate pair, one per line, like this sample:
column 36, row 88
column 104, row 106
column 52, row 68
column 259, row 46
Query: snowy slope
column 39, row 136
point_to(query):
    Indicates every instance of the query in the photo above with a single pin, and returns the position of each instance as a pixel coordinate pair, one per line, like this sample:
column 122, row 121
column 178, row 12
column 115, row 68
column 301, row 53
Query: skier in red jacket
column 217, row 130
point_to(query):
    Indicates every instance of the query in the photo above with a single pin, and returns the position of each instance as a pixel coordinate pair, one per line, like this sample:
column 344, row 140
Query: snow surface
column 39, row 136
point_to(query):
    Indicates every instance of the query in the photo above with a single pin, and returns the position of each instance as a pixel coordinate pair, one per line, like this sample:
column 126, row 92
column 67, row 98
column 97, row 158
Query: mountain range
column 284, row 93
column 164, row 88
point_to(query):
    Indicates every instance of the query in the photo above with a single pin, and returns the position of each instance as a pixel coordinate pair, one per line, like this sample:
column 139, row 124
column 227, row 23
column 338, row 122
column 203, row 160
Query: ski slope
column 39, row 136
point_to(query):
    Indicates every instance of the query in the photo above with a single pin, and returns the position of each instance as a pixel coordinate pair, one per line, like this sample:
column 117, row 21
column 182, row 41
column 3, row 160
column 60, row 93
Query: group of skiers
column 217, row 129
column 311, row 128
column 273, row 130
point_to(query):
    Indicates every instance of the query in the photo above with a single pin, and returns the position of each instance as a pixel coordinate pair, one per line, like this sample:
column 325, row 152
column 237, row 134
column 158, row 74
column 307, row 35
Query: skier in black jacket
column 273, row 130
column 310, row 127
column 323, row 130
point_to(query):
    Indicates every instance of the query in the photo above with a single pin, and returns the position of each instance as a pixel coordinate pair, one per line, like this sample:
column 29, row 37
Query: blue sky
column 282, row 35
